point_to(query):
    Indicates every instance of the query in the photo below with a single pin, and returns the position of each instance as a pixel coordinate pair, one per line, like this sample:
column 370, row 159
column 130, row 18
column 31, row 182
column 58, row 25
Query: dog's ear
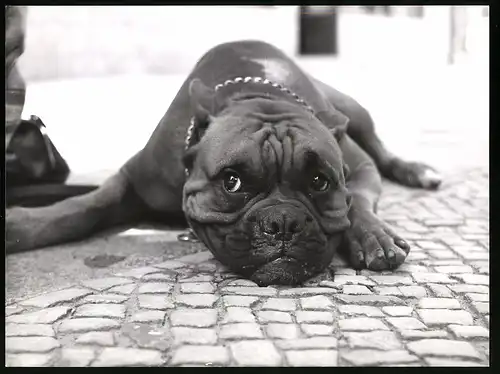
column 202, row 99
column 334, row 120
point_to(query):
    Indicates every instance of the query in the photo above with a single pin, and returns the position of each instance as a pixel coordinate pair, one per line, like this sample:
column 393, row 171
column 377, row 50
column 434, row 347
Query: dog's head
column 266, row 187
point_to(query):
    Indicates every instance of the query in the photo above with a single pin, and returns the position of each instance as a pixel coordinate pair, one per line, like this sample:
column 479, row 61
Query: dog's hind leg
column 113, row 203
column 362, row 130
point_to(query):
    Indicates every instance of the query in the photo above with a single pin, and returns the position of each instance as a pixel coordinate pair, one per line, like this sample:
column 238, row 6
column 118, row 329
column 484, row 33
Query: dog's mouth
column 284, row 270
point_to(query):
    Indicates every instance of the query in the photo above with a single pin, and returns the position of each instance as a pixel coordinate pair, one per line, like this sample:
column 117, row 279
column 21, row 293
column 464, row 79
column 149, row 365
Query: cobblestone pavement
column 191, row 311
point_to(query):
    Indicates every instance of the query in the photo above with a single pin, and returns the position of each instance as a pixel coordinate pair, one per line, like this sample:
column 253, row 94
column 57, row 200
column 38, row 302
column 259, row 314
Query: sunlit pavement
column 126, row 298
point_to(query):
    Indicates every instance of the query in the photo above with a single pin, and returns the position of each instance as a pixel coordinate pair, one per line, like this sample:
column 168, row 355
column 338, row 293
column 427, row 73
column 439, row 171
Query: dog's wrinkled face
column 266, row 192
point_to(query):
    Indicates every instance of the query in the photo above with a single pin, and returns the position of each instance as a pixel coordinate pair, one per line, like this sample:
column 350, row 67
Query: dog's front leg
column 369, row 242
column 111, row 204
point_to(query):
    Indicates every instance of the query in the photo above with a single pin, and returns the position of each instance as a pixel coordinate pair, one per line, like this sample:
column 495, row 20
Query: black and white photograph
column 247, row 186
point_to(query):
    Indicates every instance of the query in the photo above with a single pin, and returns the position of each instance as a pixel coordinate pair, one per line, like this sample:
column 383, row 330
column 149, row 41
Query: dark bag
column 31, row 157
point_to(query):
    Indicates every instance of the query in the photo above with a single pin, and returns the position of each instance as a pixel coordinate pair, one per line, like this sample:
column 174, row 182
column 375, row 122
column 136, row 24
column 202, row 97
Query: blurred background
column 101, row 77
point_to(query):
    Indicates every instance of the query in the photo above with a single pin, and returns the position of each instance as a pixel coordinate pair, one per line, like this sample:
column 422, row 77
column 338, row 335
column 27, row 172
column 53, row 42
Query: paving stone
column 469, row 331
column 341, row 280
column 356, row 290
column 193, row 317
column 365, row 310
column 370, row 299
column 469, row 288
column 384, row 340
column 430, row 245
column 155, row 288
column 433, row 361
column 440, row 290
column 202, row 287
column 49, row 315
column 249, row 291
column 442, row 254
column 432, row 278
column 148, row 316
column 255, row 353
column 57, row 297
column 387, row 291
column 444, row 316
column 483, row 308
column 198, row 300
column 124, row 290
column 392, row 280
column 398, row 311
column 243, row 283
column 87, row 324
column 419, row 334
column 243, row 301
column 274, row 316
column 344, row 271
column 478, row 297
column 313, row 317
column 105, row 283
column 410, row 268
column 475, row 255
column 104, row 299
column 241, row 331
column 305, row 291
column 308, row 343
column 238, row 314
column 13, row 309
column 317, row 329
column 438, row 303
column 443, row 262
column 188, row 335
column 413, row 291
column 19, row 329
column 160, row 302
column 362, row 324
column 27, row 360
column 406, row 323
column 138, row 273
column 312, row 357
column 146, row 335
column 453, row 269
column 76, row 357
column 320, row 302
column 101, row 310
column 120, row 356
column 282, row 331
column 442, row 347
column 284, row 305
column 30, row 344
column 199, row 354
column 475, row 279
column 102, row 338
column 159, row 277
column 365, row 357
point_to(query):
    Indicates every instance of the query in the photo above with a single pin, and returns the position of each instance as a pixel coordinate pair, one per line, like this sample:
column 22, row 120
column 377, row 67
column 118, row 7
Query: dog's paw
column 372, row 244
column 413, row 174
column 18, row 236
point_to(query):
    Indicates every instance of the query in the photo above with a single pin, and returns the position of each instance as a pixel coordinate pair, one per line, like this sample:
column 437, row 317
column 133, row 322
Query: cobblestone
column 314, row 357
column 200, row 355
column 118, row 356
column 441, row 347
column 30, row 344
column 193, row 312
column 443, row 316
column 19, row 329
column 255, row 353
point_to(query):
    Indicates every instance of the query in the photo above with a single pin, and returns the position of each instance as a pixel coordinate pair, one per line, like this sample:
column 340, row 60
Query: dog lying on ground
column 273, row 170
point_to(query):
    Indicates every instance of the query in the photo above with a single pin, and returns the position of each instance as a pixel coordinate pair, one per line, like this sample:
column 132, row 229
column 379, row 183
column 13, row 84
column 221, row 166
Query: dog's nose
column 283, row 220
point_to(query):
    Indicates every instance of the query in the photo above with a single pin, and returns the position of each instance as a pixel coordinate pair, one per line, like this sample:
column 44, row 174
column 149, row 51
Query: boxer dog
column 273, row 170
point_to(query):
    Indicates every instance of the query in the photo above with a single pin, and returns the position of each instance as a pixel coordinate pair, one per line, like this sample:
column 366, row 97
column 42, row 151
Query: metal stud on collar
column 258, row 80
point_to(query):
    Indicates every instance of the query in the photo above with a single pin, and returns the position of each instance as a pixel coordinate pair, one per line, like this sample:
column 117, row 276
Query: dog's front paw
column 18, row 235
column 371, row 243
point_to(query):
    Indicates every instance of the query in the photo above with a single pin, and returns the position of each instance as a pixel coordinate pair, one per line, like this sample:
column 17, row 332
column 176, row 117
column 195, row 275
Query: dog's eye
column 232, row 182
column 320, row 183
